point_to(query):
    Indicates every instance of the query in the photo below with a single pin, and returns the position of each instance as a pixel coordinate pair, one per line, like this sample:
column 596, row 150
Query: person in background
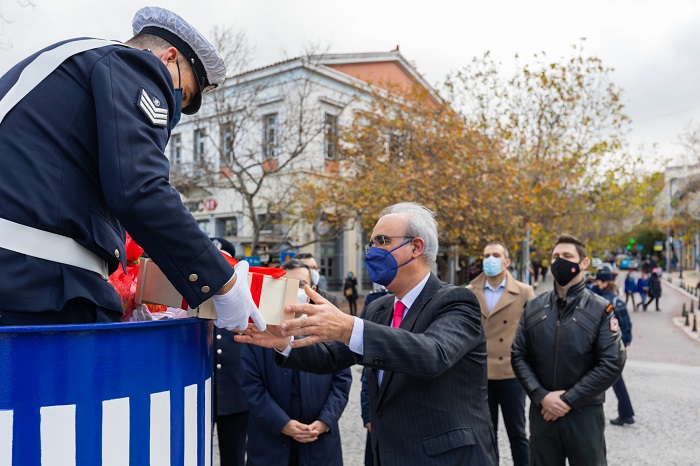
column 230, row 404
column 630, row 289
column 366, row 419
column 566, row 353
column 293, row 415
column 379, row 291
column 543, row 265
column 350, row 292
column 502, row 299
column 308, row 259
column 643, row 289
column 607, row 288
column 654, row 291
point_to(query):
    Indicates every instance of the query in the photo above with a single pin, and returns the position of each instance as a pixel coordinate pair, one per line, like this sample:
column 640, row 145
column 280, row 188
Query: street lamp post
column 669, row 240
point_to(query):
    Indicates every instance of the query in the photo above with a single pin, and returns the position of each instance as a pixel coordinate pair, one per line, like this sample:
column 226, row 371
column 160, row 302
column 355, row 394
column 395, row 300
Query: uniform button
column 379, row 414
column 193, row 277
column 500, row 358
column 500, row 339
column 219, row 350
column 375, row 360
column 218, row 366
column 205, row 289
column 116, row 253
column 218, row 337
column 505, row 321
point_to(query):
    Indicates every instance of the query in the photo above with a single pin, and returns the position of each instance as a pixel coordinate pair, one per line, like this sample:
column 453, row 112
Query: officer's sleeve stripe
column 147, row 106
column 151, row 105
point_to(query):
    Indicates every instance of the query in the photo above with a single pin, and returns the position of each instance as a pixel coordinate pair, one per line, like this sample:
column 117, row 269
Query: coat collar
column 509, row 294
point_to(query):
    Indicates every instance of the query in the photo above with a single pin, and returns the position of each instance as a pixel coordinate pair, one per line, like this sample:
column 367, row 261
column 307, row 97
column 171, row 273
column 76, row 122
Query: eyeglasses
column 382, row 240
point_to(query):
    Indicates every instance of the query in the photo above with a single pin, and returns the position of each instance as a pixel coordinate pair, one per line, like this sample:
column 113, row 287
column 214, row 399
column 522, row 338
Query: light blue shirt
column 492, row 296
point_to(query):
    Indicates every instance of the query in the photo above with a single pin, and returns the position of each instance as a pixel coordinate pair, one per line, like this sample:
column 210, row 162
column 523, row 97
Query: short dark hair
column 499, row 243
column 292, row 264
column 149, row 41
column 570, row 239
column 304, row 255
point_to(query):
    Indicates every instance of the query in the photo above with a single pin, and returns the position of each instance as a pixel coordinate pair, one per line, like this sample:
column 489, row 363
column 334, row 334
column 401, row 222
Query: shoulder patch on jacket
column 152, row 107
column 609, row 308
column 614, row 325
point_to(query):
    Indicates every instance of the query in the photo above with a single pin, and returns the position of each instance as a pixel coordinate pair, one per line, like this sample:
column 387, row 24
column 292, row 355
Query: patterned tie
column 399, row 308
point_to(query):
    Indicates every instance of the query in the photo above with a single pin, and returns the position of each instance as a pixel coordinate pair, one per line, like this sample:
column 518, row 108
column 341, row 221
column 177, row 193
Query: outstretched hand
column 271, row 338
column 323, row 322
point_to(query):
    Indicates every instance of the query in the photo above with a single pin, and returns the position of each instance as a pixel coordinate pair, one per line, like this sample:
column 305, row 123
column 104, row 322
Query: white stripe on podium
column 6, row 418
column 160, row 429
column 58, row 435
column 207, row 421
column 115, row 429
column 191, row 424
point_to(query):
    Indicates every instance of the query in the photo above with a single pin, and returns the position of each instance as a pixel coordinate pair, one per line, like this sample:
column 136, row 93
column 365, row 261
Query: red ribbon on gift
column 258, row 274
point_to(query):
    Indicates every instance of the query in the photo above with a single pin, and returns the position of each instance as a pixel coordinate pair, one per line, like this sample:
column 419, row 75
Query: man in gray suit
column 424, row 349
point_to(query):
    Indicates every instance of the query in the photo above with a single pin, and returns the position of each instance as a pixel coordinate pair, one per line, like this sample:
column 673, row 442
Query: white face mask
column 301, row 297
column 315, row 277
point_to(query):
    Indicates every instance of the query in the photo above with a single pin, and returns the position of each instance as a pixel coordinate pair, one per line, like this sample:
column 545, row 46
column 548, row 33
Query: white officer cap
column 208, row 66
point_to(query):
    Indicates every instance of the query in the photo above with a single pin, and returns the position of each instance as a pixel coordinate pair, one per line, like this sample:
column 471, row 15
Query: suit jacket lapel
column 431, row 287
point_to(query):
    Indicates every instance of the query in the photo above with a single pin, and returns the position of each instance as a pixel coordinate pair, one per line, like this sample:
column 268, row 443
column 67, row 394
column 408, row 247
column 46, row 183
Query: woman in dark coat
column 606, row 287
column 654, row 290
column 350, row 292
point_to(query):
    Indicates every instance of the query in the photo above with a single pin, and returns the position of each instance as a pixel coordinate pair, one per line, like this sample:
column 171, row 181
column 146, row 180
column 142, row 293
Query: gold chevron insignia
column 150, row 107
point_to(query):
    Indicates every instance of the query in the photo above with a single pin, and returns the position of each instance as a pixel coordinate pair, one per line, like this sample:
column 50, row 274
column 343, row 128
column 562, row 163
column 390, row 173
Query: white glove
column 141, row 314
column 234, row 308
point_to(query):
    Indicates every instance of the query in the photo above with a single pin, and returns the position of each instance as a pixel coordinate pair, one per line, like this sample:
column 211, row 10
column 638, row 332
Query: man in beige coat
column 502, row 299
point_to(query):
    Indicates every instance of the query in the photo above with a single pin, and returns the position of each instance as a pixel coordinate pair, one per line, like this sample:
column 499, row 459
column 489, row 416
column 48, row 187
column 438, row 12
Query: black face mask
column 564, row 271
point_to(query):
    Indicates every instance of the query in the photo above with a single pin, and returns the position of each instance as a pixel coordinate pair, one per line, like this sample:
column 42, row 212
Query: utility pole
column 526, row 259
column 669, row 240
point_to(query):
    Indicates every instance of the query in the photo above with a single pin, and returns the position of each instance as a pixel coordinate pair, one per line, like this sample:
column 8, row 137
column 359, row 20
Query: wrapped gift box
column 269, row 293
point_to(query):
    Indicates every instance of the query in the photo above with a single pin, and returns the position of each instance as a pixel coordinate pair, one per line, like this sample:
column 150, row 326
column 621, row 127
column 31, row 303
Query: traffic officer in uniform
column 83, row 128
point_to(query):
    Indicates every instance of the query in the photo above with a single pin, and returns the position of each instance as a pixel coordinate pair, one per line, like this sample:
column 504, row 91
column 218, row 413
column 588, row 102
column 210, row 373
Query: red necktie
column 399, row 308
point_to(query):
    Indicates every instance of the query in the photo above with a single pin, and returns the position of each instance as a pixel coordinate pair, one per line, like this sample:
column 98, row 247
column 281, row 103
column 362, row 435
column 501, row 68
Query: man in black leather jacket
column 566, row 353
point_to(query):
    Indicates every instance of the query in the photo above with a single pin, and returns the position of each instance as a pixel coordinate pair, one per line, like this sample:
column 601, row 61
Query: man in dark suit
column 424, row 349
column 293, row 415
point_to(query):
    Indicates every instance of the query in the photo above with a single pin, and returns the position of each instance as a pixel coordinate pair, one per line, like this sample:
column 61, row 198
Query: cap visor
column 193, row 107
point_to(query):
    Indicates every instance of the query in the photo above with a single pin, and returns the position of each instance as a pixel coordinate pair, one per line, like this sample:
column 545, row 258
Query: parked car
column 629, row 262
column 609, row 267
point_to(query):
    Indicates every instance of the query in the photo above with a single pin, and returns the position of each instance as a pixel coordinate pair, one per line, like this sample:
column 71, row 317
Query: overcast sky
column 653, row 45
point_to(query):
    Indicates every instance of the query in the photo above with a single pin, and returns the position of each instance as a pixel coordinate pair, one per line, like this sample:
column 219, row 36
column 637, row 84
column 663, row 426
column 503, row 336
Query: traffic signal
column 631, row 240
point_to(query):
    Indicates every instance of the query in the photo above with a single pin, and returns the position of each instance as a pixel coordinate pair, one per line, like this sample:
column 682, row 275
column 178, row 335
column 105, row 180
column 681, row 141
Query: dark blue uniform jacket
column 78, row 157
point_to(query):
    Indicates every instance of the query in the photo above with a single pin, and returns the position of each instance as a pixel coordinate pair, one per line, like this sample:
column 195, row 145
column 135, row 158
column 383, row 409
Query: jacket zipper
column 556, row 348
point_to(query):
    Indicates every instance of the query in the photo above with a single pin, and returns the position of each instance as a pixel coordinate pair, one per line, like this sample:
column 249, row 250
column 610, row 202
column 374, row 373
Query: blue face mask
column 178, row 108
column 177, row 113
column 382, row 266
column 492, row 266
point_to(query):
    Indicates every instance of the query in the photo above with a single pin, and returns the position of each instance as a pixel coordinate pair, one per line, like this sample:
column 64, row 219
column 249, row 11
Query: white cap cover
column 209, row 68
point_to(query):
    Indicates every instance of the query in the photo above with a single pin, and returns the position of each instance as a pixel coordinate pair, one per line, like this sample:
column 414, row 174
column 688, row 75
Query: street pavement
column 662, row 375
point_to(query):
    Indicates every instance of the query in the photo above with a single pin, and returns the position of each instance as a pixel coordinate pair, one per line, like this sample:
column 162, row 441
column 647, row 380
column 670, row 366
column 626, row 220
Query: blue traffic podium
column 116, row 394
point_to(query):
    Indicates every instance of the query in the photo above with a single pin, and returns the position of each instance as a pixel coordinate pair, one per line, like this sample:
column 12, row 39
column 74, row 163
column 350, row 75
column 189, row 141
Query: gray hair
column 421, row 222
